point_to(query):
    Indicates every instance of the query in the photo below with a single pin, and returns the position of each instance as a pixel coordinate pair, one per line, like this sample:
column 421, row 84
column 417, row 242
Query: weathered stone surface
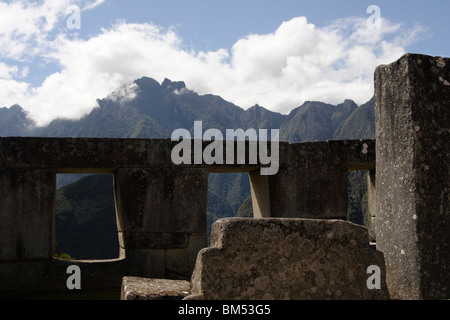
column 179, row 263
column 161, row 200
column 26, row 214
column 412, row 112
column 105, row 155
column 85, row 155
column 136, row 288
column 158, row 210
column 278, row 258
column 51, row 275
column 354, row 154
column 312, row 190
column 312, row 179
column 161, row 207
column 371, row 204
column 168, row 263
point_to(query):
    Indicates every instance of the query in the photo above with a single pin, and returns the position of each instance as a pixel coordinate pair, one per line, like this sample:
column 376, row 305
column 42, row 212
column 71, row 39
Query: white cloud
column 24, row 26
column 91, row 6
column 124, row 93
column 13, row 92
column 7, row 72
column 279, row 70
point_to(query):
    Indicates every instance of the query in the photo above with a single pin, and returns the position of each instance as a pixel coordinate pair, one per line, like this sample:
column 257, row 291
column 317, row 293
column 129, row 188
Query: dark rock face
column 412, row 105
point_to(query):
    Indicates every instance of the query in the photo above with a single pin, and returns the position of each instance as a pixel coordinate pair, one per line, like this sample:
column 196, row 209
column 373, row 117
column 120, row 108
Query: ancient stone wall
column 160, row 206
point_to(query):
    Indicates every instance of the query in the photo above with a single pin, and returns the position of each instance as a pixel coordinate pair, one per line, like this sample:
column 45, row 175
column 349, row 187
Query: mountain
column 315, row 121
column 154, row 112
column 360, row 123
column 148, row 109
column 14, row 121
column 259, row 117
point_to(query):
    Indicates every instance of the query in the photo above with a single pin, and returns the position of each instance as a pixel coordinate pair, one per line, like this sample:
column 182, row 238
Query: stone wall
column 160, row 206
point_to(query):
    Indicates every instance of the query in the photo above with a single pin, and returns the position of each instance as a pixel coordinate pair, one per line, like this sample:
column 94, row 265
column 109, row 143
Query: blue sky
column 274, row 53
column 211, row 25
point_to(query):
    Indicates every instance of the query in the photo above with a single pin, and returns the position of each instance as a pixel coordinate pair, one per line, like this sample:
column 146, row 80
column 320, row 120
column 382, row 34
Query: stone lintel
column 105, row 155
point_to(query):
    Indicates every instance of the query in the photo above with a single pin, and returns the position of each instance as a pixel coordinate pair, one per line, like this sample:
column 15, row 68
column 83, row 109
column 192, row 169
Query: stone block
column 311, row 182
column 147, row 263
column 316, row 191
column 412, row 113
column 27, row 200
column 136, row 288
column 168, row 263
column 279, row 258
column 161, row 200
column 153, row 240
column 372, row 229
column 371, row 193
column 179, row 263
column 259, row 189
column 312, row 179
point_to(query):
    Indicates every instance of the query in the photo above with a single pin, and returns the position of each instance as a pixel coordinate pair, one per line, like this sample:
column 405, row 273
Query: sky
column 57, row 57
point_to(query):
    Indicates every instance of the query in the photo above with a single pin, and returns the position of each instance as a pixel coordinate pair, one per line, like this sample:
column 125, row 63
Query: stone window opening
column 85, row 218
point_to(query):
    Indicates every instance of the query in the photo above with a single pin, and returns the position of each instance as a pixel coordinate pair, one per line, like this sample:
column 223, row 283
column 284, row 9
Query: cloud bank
column 280, row 70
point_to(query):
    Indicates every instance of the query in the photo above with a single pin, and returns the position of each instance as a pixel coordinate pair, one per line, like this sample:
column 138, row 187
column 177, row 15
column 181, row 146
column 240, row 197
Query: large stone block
column 412, row 112
column 311, row 182
column 161, row 200
column 161, row 215
column 312, row 179
column 27, row 199
column 279, row 258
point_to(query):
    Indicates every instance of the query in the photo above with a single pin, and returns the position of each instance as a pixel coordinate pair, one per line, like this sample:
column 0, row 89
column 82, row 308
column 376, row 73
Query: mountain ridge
column 156, row 110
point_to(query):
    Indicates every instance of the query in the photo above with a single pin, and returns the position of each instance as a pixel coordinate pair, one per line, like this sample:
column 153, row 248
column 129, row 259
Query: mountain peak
column 15, row 108
column 146, row 83
column 349, row 103
column 14, row 121
column 173, row 85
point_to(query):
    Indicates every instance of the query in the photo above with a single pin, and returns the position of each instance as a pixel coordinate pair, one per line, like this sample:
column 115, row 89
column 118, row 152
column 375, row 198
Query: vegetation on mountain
column 85, row 221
